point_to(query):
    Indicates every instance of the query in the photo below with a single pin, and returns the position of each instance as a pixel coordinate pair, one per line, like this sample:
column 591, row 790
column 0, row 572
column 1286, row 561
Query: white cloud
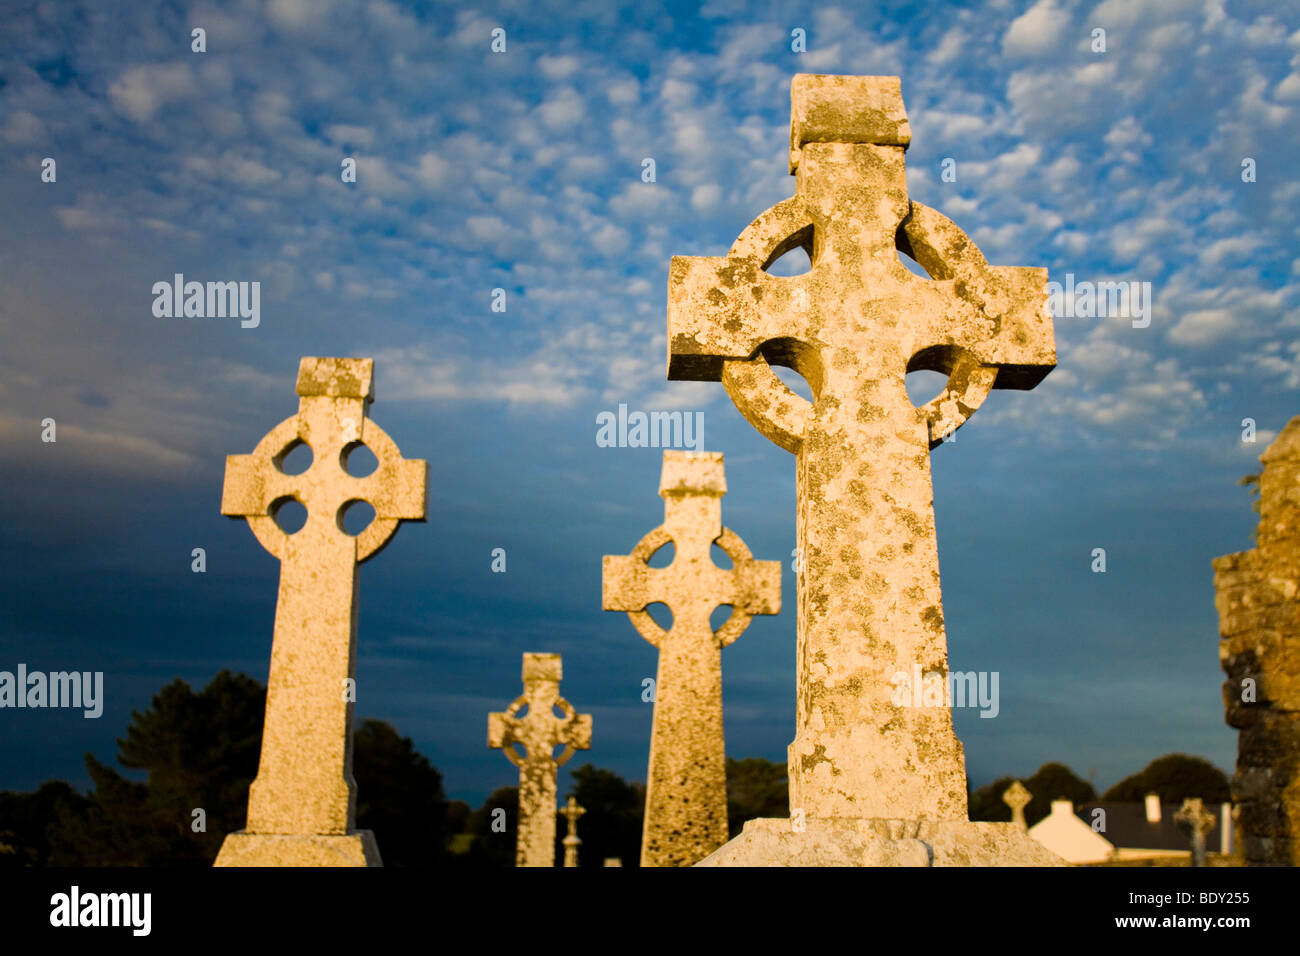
column 94, row 450
column 1203, row 327
column 344, row 134
column 141, row 91
column 487, row 228
column 23, row 127
column 1039, row 30
column 558, row 67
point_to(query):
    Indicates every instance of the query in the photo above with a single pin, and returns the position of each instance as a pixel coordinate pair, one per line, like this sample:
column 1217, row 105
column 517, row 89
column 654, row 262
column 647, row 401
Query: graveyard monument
column 302, row 805
column 571, row 841
column 686, row 783
column 1017, row 797
column 871, row 781
column 538, row 731
column 1196, row 822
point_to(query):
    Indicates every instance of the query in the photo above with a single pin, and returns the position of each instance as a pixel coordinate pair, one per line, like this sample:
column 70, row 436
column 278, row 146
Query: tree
column 399, row 797
column 986, row 802
column 1175, row 777
column 200, row 751
column 493, row 828
column 612, row 824
column 755, row 788
column 25, row 820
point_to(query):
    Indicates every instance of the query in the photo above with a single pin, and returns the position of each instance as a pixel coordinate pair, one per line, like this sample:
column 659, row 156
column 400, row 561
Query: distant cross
column 538, row 732
column 1017, row 798
column 1197, row 822
column 571, row 841
column 686, row 785
column 853, row 326
column 304, row 782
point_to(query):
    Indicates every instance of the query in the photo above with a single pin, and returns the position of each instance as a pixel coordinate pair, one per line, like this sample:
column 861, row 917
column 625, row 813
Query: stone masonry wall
column 1259, row 626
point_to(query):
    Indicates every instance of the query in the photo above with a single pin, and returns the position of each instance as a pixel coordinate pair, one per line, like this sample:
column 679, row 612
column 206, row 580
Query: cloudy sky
column 522, row 171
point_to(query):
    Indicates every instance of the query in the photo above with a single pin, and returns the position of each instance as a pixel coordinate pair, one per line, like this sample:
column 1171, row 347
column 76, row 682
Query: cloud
column 142, row 90
column 1038, row 31
column 91, row 450
column 420, row 375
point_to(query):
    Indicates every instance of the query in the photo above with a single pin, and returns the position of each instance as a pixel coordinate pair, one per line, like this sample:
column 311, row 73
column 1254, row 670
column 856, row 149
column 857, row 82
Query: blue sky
column 522, row 171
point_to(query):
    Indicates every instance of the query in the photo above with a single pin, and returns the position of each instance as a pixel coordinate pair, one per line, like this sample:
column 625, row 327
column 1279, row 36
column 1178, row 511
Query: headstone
column 1196, row 821
column 853, row 326
column 571, row 841
column 1017, row 797
column 686, row 784
column 538, row 732
column 302, row 806
column 1259, row 649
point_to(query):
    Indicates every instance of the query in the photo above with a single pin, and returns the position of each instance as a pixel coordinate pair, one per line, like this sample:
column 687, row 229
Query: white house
column 1069, row 837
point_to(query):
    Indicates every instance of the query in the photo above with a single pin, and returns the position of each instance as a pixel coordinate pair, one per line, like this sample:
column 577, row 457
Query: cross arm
column 758, row 587
column 575, row 733
column 723, row 308
column 500, row 730
column 501, row 736
column 625, row 583
column 400, row 490
column 999, row 313
column 244, row 491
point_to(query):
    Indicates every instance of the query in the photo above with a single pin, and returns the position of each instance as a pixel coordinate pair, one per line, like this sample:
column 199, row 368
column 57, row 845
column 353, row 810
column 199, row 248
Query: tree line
column 199, row 752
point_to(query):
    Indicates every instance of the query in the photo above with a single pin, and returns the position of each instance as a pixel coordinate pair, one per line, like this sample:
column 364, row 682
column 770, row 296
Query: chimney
column 1153, row 807
column 1063, row 807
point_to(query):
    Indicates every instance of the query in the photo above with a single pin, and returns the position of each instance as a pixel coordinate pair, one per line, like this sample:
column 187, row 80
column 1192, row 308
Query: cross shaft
column 869, row 603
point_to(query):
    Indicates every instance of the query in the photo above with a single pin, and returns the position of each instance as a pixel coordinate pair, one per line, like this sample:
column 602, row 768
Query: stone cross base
column 276, row 849
column 849, row 842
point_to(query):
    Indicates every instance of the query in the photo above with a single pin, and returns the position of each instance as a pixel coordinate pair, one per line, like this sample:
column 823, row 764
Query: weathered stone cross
column 539, row 731
column 853, row 326
column 1017, row 797
column 571, row 840
column 1196, row 821
column 686, row 785
column 302, row 806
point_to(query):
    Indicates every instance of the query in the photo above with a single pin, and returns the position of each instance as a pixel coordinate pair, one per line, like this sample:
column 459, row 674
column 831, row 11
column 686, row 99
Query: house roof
column 1127, row 826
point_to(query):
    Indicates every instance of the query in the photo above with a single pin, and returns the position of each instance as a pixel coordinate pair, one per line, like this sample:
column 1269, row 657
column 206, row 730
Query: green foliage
column 755, row 788
column 1175, row 777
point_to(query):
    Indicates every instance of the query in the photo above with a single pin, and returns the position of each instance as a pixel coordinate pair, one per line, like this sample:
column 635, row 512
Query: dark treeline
column 199, row 752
